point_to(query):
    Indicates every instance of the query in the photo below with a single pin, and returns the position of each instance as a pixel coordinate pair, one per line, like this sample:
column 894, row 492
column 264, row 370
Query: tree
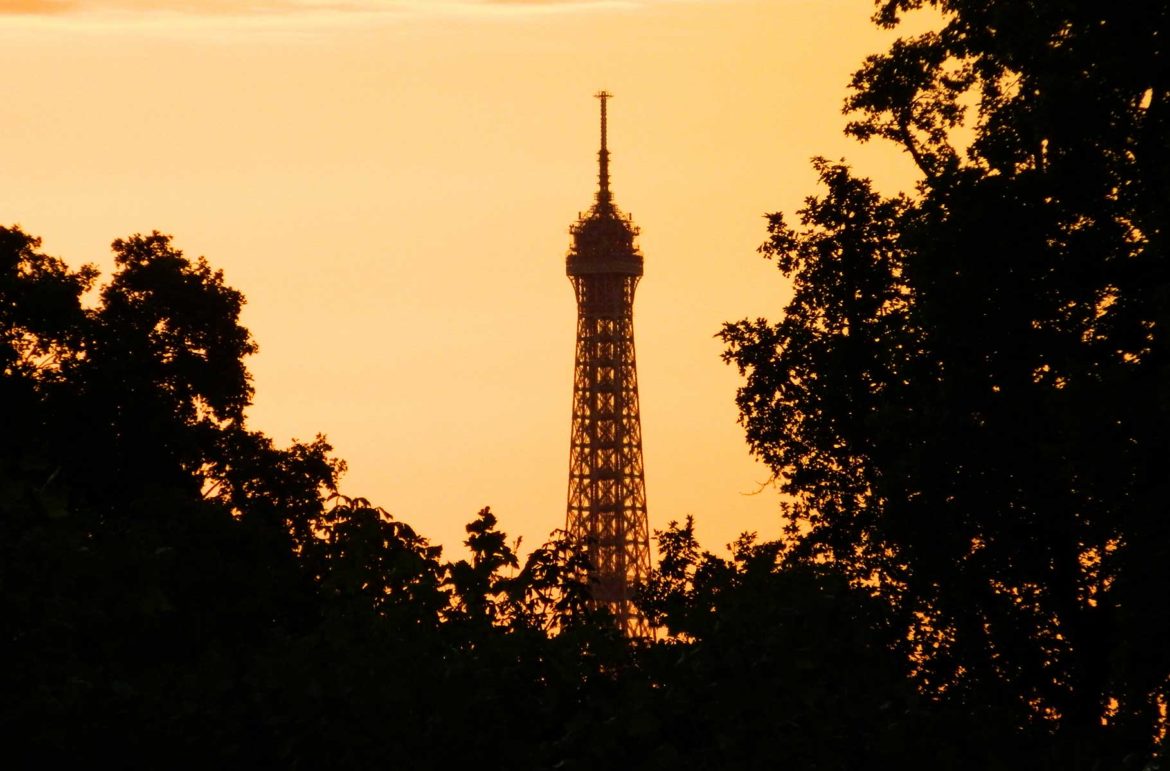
column 965, row 399
column 176, row 587
column 776, row 662
column 148, row 554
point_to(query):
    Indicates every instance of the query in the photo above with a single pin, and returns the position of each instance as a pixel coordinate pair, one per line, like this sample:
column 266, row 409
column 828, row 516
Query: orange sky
column 391, row 184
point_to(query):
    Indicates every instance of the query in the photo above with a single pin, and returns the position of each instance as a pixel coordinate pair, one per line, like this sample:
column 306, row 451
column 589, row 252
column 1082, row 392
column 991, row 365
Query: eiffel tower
column 607, row 488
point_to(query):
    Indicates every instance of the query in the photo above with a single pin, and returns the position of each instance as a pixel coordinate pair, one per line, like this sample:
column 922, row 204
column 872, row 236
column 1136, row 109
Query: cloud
column 228, row 19
column 191, row 7
column 35, row 7
column 256, row 7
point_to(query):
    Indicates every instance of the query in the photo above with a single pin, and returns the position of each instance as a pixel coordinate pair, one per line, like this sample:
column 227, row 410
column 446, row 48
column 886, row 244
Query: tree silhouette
column 965, row 399
column 177, row 589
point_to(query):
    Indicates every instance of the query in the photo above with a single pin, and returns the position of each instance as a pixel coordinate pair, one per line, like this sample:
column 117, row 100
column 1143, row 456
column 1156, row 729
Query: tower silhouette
column 607, row 489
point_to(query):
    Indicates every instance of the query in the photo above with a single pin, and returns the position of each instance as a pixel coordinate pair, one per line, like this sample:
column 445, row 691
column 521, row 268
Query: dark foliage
column 966, row 399
column 177, row 590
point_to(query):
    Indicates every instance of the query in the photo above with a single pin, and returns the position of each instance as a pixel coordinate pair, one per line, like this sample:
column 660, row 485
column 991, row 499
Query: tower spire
column 603, row 196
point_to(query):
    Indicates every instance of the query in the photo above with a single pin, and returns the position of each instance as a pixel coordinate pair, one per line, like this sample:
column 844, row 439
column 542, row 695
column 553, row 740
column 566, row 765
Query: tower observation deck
column 607, row 488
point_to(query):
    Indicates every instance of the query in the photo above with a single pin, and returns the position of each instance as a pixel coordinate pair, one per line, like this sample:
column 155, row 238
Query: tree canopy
column 179, row 590
column 965, row 401
column 175, row 586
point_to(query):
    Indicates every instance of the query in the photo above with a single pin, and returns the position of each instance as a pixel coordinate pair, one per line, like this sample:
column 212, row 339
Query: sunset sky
column 390, row 184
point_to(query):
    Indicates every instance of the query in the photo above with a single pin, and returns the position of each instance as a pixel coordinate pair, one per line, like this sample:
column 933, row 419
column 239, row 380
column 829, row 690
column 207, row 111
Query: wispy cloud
column 299, row 17
column 35, row 7
column 267, row 7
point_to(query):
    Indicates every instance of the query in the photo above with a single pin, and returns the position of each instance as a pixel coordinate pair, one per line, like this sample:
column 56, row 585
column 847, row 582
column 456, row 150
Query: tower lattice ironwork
column 607, row 488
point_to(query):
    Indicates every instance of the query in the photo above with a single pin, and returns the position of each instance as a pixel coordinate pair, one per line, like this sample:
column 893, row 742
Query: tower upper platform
column 603, row 237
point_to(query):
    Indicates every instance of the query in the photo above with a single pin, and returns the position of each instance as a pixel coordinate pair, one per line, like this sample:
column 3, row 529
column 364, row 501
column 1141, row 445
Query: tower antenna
column 603, row 196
